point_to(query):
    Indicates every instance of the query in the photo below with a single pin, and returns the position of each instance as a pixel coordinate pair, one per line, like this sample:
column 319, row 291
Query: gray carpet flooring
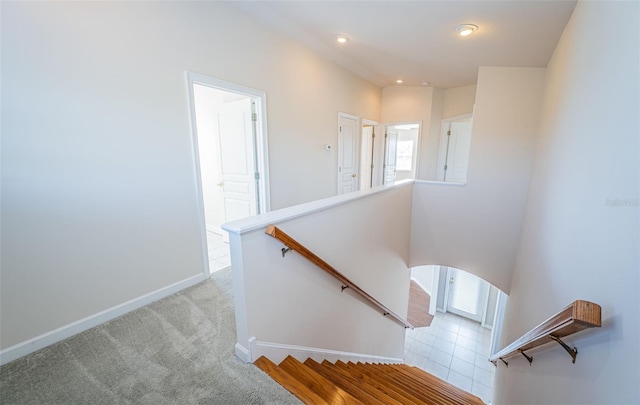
column 178, row 350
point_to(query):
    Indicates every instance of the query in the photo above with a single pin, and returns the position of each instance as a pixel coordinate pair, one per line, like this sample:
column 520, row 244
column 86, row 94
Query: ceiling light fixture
column 341, row 38
column 399, row 81
column 466, row 29
column 426, row 83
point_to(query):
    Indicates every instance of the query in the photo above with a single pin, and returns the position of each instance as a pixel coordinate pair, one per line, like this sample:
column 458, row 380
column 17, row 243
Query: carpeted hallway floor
column 178, row 350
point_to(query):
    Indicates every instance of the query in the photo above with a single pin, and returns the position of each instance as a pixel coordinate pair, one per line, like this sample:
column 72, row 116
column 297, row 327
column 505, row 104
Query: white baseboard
column 39, row 342
column 243, row 353
column 277, row 352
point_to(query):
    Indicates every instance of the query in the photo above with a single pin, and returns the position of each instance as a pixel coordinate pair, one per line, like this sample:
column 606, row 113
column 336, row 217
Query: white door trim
column 364, row 122
column 262, row 165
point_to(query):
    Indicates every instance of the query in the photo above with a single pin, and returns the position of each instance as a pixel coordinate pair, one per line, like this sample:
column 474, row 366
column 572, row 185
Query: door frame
column 261, row 153
column 363, row 122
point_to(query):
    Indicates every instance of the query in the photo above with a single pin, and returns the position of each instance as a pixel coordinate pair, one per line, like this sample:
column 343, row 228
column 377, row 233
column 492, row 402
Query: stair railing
column 292, row 244
column 576, row 317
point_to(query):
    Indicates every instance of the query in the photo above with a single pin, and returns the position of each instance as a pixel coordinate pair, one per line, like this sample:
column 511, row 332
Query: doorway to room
column 388, row 152
column 229, row 134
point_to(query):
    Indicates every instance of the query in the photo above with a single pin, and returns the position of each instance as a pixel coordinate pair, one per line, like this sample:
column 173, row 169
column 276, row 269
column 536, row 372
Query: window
column 404, row 156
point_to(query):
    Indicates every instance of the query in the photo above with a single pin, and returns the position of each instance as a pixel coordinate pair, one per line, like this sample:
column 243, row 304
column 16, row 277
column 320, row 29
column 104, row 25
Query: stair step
column 293, row 385
column 445, row 388
column 359, row 389
column 423, row 393
column 363, row 383
column 317, row 383
column 343, row 369
column 377, row 374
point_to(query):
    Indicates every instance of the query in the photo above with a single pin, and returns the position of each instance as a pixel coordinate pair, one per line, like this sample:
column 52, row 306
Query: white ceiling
column 416, row 40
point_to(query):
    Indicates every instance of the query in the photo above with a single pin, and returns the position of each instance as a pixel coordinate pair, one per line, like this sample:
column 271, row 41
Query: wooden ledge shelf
column 576, row 317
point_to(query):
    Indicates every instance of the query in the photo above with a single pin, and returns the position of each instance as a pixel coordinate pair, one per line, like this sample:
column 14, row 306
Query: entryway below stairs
column 456, row 350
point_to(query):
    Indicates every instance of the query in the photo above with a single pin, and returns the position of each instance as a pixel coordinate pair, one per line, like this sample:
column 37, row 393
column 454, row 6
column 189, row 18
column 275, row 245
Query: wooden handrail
column 293, row 244
column 578, row 316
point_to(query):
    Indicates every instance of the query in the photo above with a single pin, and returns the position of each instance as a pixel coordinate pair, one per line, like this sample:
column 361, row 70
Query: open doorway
column 388, row 152
column 230, row 153
column 401, row 151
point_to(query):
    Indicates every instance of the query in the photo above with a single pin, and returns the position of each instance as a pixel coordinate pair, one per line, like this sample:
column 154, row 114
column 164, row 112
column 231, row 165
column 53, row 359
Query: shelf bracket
column 284, row 250
column 529, row 358
column 572, row 352
column 344, row 287
column 505, row 363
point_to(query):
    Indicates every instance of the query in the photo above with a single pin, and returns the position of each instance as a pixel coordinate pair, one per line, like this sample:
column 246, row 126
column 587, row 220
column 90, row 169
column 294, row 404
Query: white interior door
column 467, row 295
column 454, row 151
column 390, row 155
column 237, row 166
column 348, row 137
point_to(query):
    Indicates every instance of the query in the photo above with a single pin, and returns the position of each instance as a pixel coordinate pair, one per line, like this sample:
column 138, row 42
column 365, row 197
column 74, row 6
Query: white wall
column 98, row 184
column 577, row 243
column 424, row 276
column 476, row 227
column 291, row 301
column 459, row 101
column 431, row 148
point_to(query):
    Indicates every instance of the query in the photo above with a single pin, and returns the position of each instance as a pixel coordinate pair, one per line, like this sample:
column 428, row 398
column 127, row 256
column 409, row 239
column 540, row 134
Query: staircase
column 349, row 383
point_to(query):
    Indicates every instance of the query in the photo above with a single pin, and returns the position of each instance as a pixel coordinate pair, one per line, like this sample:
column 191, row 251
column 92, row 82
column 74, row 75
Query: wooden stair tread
column 364, row 383
column 431, row 382
column 317, row 383
column 378, row 375
column 380, row 386
column 289, row 382
column 423, row 392
column 358, row 388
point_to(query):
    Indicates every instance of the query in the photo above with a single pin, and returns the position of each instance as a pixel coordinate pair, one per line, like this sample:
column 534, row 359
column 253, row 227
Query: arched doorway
column 457, row 344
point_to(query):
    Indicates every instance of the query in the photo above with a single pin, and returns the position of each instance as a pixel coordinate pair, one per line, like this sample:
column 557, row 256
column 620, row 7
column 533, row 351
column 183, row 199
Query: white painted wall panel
column 476, row 227
column 578, row 243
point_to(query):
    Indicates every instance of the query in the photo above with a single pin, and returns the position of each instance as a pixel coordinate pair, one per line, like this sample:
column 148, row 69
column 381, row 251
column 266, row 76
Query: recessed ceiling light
column 466, row 29
column 341, row 38
column 399, row 81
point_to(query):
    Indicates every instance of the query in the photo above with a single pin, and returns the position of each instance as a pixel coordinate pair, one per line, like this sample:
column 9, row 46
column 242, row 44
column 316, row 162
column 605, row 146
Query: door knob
column 353, row 175
column 221, row 184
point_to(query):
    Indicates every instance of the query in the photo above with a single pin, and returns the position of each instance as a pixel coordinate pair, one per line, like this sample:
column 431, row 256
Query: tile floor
column 456, row 350
column 218, row 252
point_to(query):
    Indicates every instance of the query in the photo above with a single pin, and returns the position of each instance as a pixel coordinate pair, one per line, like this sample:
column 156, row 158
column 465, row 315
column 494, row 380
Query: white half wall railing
column 285, row 305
